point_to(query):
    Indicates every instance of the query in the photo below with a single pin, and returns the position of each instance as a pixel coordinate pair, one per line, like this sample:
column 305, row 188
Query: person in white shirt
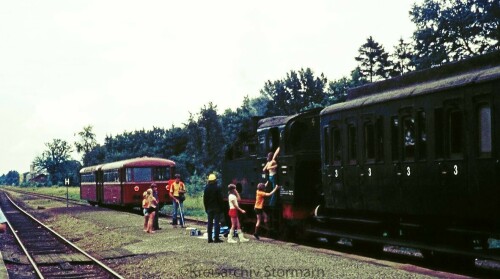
column 233, row 199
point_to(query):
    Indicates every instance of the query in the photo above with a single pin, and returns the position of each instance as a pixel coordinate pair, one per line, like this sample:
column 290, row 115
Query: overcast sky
column 128, row 65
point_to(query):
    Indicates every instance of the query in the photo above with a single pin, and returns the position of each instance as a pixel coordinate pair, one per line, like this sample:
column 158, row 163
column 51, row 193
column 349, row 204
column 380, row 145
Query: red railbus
column 123, row 182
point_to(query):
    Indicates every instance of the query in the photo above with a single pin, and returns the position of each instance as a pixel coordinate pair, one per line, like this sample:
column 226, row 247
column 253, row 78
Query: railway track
column 49, row 254
column 395, row 254
column 58, row 198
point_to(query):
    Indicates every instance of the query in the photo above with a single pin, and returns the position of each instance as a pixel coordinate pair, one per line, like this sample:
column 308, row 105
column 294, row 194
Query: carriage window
column 438, row 130
column 352, row 143
column 369, row 141
column 394, row 138
column 262, row 142
column 422, row 137
column 273, row 139
column 337, row 146
column 380, row 139
column 161, row 173
column 409, row 137
column 455, row 131
column 484, row 125
column 326, row 146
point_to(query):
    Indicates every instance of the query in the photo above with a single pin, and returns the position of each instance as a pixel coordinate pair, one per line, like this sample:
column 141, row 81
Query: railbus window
column 484, row 126
column 161, row 173
column 455, row 132
column 369, row 142
column 422, row 136
column 379, row 138
column 337, row 146
column 88, row 177
column 139, row 174
column 111, row 176
column 352, row 138
column 409, row 138
column 438, row 131
column 395, row 138
column 128, row 174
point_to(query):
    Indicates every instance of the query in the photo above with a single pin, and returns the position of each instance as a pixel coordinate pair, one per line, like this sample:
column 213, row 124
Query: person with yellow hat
column 214, row 204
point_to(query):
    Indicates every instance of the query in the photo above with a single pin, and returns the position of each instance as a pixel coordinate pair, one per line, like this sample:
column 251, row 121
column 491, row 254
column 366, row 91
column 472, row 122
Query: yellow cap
column 212, row 177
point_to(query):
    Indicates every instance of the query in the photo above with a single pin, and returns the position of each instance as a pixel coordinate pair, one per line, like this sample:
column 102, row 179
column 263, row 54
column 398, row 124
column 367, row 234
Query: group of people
column 150, row 204
column 214, row 204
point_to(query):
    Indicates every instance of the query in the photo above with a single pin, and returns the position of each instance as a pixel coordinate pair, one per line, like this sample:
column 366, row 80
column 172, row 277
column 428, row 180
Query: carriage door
column 372, row 169
column 352, row 170
column 484, row 171
column 333, row 170
column 450, row 146
column 409, row 170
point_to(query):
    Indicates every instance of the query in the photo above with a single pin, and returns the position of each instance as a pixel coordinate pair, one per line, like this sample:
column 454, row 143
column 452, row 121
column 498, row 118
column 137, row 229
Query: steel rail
column 102, row 265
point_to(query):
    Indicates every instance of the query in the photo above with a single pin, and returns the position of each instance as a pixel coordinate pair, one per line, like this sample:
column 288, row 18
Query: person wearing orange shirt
column 259, row 206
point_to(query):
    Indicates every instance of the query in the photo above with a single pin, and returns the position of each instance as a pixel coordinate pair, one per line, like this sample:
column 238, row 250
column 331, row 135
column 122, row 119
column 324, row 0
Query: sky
column 123, row 65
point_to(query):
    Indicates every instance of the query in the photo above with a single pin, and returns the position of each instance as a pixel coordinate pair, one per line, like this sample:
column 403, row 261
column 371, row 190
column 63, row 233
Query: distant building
column 39, row 179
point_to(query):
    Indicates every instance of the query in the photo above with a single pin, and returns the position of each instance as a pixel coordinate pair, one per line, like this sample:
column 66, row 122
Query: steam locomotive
column 413, row 161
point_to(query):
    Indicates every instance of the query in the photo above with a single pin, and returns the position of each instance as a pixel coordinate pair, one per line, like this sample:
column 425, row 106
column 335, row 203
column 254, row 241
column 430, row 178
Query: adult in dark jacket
column 214, row 204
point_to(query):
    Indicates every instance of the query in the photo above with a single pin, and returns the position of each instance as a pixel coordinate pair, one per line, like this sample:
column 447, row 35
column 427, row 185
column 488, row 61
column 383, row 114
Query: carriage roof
column 471, row 71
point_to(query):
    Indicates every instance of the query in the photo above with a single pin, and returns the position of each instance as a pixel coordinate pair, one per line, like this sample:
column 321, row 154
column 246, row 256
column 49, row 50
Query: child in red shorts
column 233, row 199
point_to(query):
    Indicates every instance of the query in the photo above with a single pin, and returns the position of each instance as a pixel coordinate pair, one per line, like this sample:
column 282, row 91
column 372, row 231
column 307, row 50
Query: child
column 151, row 210
column 259, row 205
column 233, row 199
column 145, row 206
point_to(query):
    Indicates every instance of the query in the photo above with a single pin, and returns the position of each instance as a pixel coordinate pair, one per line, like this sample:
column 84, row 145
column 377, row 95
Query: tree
column 298, row 91
column 204, row 150
column 401, row 59
column 12, row 178
column 449, row 30
column 337, row 89
column 86, row 143
column 374, row 63
column 53, row 160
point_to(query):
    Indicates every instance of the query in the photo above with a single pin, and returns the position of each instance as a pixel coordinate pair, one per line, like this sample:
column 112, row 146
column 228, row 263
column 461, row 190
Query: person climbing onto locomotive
column 259, row 205
column 233, row 198
column 178, row 195
column 214, row 204
column 272, row 168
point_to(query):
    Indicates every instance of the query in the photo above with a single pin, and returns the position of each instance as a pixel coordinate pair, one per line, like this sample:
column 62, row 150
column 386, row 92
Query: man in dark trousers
column 156, row 226
column 214, row 204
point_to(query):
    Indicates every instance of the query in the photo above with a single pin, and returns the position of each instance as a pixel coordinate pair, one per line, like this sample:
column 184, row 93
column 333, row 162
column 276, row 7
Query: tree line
column 446, row 31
